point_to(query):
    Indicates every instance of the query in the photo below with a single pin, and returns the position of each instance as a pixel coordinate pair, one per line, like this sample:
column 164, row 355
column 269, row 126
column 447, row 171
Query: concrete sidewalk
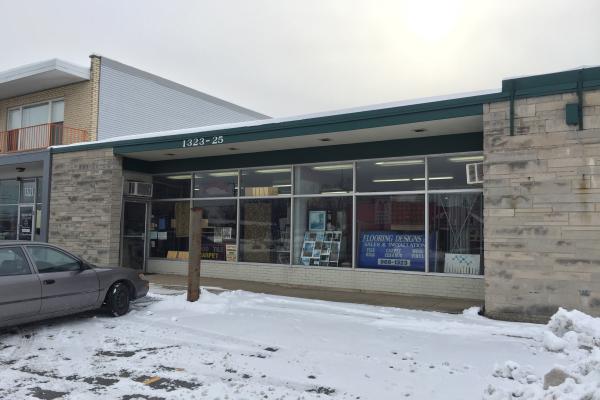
column 426, row 303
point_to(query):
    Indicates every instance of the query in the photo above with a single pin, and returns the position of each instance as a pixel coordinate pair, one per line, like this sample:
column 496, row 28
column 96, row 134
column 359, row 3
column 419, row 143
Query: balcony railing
column 40, row 137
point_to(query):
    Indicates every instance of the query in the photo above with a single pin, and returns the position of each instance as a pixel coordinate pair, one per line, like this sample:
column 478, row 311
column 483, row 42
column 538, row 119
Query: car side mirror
column 83, row 266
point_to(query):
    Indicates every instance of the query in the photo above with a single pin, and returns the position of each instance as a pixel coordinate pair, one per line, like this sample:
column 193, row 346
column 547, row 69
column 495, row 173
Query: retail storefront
column 387, row 199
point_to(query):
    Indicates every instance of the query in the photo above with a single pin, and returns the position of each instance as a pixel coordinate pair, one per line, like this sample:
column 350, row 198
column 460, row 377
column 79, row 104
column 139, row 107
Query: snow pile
column 575, row 336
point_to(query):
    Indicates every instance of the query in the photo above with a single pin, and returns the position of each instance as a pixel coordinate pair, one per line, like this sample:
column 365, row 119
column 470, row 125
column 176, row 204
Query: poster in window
column 392, row 250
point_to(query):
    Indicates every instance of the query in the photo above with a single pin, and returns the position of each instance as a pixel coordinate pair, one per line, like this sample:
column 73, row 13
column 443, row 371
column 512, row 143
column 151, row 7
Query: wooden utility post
column 197, row 224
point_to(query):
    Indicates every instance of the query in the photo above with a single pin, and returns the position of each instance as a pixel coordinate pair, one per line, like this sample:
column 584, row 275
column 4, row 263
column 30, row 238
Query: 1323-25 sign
column 203, row 141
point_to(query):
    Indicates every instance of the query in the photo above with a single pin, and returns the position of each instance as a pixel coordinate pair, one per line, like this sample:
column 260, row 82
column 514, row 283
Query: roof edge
column 26, row 70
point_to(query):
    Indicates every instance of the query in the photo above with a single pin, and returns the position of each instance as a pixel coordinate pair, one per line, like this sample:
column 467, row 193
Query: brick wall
column 85, row 204
column 81, row 102
column 542, row 208
column 439, row 285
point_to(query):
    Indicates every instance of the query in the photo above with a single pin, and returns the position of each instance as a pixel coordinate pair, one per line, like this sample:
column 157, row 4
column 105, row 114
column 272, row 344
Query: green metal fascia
column 554, row 83
column 390, row 148
column 239, row 135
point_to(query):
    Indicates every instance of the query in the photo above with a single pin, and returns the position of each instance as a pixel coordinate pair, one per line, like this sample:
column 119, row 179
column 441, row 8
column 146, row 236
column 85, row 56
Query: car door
column 20, row 287
column 66, row 285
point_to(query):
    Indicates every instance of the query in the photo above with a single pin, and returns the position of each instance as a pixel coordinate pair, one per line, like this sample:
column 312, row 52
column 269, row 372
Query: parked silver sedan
column 39, row 281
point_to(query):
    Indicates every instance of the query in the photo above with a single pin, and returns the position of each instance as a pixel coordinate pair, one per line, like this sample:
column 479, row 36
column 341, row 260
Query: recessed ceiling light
column 419, row 130
column 179, row 177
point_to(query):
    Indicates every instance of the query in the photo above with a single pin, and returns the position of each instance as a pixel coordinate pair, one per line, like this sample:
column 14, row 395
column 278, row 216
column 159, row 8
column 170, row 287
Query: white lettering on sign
column 203, row 141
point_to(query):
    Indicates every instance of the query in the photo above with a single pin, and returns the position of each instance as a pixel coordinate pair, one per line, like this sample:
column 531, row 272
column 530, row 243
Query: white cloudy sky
column 284, row 57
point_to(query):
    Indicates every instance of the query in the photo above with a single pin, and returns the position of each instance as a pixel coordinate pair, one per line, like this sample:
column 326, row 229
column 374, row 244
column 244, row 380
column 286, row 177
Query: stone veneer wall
column 542, row 208
column 85, row 204
column 81, row 102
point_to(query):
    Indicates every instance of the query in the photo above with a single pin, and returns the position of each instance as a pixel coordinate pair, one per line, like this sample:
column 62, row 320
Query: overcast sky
column 293, row 57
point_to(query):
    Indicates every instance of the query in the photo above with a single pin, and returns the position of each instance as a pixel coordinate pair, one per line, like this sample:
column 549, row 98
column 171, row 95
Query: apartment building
column 55, row 103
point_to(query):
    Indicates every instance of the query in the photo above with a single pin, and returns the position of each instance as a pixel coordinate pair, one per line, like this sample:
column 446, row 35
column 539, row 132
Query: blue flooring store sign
column 392, row 250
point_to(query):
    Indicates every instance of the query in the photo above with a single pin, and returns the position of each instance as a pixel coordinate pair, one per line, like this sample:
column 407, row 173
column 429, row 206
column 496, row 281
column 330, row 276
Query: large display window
column 456, row 233
column 169, row 230
column 324, row 179
column 268, row 181
column 390, row 175
column 171, row 186
column 219, row 237
column 419, row 213
column 323, row 231
column 216, row 184
column 391, row 232
column 265, row 231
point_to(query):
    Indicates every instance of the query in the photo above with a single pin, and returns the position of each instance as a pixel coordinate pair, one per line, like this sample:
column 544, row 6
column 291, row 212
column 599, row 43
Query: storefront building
column 491, row 196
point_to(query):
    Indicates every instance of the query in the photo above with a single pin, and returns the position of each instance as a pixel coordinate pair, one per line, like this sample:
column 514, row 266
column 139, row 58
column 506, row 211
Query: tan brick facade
column 81, row 102
column 542, row 208
column 85, row 213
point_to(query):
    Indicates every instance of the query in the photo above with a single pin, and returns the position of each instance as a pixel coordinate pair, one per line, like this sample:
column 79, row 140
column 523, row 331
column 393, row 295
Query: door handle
column 49, row 281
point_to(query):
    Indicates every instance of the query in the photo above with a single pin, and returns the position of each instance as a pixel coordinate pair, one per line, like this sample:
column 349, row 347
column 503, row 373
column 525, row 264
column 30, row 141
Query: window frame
column 33, row 262
column 39, row 103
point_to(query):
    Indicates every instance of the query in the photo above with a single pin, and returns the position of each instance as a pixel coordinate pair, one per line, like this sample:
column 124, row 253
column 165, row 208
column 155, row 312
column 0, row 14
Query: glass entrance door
column 133, row 241
column 25, row 225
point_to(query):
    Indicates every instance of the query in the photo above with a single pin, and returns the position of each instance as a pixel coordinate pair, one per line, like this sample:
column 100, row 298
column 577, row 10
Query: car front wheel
column 117, row 299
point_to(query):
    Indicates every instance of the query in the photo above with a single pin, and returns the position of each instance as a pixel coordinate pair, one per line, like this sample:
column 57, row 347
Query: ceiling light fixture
column 391, row 180
column 335, row 192
column 334, row 167
column 179, row 177
column 273, row 171
column 282, row 185
column 399, row 162
column 466, row 158
column 223, row 174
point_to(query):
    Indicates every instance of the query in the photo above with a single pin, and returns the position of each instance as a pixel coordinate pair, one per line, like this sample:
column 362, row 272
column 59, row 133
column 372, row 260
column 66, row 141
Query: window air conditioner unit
column 474, row 173
column 142, row 189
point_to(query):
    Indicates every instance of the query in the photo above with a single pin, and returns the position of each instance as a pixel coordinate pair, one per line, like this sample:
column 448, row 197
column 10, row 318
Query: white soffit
column 40, row 76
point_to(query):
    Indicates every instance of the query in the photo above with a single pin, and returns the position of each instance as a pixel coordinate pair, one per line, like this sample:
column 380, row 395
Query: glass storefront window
column 323, row 231
column 171, row 187
column 390, row 175
column 169, row 230
column 450, row 172
column 219, row 238
column 216, row 184
column 265, row 231
column 324, row 179
column 456, row 233
column 28, row 191
column 9, row 191
column 8, row 222
column 391, row 232
column 268, row 181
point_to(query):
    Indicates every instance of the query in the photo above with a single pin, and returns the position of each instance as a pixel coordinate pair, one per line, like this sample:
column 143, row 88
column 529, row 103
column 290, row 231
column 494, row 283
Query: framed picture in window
column 317, row 220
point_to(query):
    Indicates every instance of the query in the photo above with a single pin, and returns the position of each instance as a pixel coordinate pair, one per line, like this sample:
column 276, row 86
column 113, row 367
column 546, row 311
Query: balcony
column 40, row 137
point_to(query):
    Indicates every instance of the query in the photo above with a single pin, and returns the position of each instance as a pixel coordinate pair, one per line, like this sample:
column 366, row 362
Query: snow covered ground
column 240, row 345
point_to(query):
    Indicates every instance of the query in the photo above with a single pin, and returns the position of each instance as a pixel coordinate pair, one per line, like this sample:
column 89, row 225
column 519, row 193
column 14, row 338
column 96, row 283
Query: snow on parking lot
column 240, row 345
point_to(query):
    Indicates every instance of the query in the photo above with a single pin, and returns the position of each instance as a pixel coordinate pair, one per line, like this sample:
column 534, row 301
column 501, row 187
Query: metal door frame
column 145, row 234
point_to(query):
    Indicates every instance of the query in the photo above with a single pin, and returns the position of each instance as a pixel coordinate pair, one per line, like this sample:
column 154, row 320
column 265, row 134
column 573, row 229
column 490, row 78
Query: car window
column 50, row 260
column 13, row 262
